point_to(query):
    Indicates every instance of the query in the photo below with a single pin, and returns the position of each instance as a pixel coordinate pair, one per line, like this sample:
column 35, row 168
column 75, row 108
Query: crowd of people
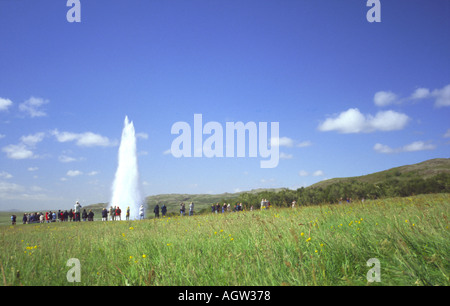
column 74, row 215
column 115, row 213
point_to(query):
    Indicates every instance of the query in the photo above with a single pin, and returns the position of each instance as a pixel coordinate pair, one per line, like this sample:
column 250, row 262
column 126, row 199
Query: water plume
column 125, row 189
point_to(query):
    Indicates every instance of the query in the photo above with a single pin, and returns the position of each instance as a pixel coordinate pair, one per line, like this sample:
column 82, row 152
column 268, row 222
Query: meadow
column 312, row 245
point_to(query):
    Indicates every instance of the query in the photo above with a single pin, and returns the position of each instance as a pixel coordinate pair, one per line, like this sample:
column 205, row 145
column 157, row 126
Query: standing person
column 164, row 210
column 217, row 208
column 41, row 218
column 70, row 215
column 66, row 215
column 141, row 212
column 13, row 220
column 213, row 208
column 77, row 211
column 24, row 219
column 119, row 213
column 104, row 214
column 127, row 216
column 191, row 209
column 182, row 209
column 156, row 211
column 46, row 216
column 90, row 215
column 84, row 215
column 111, row 213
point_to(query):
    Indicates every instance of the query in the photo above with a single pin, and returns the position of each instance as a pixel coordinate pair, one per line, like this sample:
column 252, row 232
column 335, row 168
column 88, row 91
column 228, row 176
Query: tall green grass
column 316, row 245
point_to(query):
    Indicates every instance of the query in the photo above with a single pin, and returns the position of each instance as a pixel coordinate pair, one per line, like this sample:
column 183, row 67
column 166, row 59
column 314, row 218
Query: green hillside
column 424, row 170
column 430, row 176
column 202, row 202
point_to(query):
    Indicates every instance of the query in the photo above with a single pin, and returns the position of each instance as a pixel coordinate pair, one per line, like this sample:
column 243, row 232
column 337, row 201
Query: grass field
column 316, row 245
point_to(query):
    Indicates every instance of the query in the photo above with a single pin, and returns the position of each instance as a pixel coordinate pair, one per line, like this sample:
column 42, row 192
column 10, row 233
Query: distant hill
column 201, row 201
column 423, row 170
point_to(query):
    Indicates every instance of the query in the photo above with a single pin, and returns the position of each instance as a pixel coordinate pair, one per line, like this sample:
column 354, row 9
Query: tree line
column 353, row 189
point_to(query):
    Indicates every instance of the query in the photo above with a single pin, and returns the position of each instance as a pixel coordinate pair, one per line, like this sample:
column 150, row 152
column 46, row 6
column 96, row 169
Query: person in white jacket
column 141, row 212
column 77, row 211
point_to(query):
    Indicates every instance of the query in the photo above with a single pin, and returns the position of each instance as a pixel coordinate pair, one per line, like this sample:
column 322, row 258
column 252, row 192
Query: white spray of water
column 125, row 189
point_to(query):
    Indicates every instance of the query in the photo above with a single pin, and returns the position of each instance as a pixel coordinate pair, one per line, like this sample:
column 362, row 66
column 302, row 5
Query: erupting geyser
column 125, row 189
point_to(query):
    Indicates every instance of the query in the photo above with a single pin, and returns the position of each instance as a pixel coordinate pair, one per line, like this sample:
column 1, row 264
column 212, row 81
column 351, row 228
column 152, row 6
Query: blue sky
column 351, row 97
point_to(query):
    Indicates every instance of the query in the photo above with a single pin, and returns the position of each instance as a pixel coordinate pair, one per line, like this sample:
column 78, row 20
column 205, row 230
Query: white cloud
column 447, row 134
column 420, row 93
column 90, row 139
column 7, row 190
column 12, row 191
column 286, row 156
column 303, row 173
column 19, row 151
column 32, row 140
column 74, row 173
column 5, row 175
column 384, row 98
column 64, row 136
column 315, row 173
column 167, row 152
column 2, row 136
column 33, row 168
column 304, row 144
column 442, row 96
column 418, row 146
column 353, row 121
column 5, row 104
column 318, row 173
column 87, row 139
column 66, row 159
column 387, row 121
column 92, row 173
column 381, row 148
column 281, row 142
column 142, row 135
column 32, row 107
column 412, row 147
column 23, row 149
